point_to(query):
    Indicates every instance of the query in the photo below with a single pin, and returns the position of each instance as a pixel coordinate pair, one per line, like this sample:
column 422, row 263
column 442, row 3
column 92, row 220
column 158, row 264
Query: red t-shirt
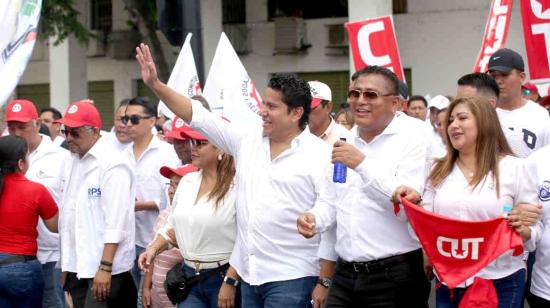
column 21, row 202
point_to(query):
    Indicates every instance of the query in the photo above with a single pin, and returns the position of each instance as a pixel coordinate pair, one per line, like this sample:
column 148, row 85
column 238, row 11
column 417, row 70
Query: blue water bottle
column 506, row 209
column 340, row 171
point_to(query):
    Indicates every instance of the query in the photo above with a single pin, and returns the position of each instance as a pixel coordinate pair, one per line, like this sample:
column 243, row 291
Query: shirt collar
column 96, row 149
column 329, row 129
column 392, row 128
column 15, row 176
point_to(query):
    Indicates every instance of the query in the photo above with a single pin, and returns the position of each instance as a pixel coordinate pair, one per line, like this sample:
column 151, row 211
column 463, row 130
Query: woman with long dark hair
column 22, row 202
column 478, row 179
column 203, row 219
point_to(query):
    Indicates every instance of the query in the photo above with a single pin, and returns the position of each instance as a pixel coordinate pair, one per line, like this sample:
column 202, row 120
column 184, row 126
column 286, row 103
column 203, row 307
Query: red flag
column 459, row 249
column 496, row 32
column 373, row 42
column 536, row 32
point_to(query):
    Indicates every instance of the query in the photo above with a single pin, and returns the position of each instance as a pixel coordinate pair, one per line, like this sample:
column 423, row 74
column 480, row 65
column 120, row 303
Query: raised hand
column 147, row 65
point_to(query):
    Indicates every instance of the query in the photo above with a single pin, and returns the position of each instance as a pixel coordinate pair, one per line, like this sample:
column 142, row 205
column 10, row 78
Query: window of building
column 307, row 8
column 233, row 11
column 399, row 6
column 101, row 12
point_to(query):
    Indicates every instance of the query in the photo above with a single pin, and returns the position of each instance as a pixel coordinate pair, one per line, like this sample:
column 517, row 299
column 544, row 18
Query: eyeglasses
column 369, row 94
column 73, row 132
column 134, row 119
column 198, row 143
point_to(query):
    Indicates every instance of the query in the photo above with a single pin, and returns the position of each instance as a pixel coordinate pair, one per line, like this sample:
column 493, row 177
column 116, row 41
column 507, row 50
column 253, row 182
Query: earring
column 220, row 157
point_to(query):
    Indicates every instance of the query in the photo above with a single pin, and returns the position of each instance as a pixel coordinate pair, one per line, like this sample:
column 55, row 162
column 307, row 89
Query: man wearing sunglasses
column 279, row 169
column 147, row 154
column 46, row 167
column 96, row 224
column 379, row 263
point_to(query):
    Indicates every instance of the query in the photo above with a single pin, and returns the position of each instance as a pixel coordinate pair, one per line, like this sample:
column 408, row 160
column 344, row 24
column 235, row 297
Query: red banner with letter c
column 373, row 42
column 536, row 32
column 496, row 32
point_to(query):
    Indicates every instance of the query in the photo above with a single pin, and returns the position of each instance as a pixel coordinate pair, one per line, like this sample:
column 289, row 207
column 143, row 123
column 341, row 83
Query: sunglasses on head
column 369, row 94
column 134, row 119
column 73, row 132
column 197, row 143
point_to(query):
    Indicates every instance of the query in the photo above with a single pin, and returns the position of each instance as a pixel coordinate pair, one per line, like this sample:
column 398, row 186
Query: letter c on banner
column 440, row 249
column 537, row 9
column 364, row 44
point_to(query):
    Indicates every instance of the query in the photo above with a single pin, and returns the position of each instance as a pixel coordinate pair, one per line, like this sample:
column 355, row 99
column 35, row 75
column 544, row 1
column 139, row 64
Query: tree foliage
column 59, row 19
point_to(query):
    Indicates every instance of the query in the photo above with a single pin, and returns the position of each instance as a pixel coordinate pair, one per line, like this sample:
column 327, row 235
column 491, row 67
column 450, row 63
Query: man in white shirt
column 516, row 113
column 418, row 107
column 46, row 167
column 279, row 170
column 538, row 295
column 484, row 85
column 148, row 154
column 380, row 264
column 49, row 116
column 96, row 223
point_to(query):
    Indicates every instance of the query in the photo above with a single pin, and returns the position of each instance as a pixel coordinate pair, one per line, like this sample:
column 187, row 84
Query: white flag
column 184, row 78
column 229, row 90
column 19, row 24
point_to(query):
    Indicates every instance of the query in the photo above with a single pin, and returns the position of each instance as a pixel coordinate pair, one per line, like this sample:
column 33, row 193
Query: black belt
column 380, row 264
column 16, row 259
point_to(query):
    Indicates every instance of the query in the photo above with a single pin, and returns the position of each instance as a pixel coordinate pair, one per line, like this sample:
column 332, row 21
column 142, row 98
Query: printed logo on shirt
column 94, row 193
column 459, row 248
column 42, row 175
column 544, row 191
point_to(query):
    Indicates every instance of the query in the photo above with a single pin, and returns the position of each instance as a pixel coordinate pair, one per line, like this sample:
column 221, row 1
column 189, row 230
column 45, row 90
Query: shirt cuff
column 114, row 236
column 530, row 245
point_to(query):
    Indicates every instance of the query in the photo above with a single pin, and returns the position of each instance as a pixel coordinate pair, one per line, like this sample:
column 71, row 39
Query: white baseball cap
column 440, row 102
column 319, row 92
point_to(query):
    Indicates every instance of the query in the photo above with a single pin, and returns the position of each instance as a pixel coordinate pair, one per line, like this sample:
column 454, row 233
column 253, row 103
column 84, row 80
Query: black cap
column 403, row 90
column 505, row 60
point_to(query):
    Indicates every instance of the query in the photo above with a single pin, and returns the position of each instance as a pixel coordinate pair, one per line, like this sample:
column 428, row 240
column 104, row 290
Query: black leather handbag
column 177, row 286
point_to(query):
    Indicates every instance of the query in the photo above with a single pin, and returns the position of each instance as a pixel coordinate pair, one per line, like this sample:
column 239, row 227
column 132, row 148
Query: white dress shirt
column 151, row 185
column 271, row 194
column 203, row 233
column 539, row 169
column 367, row 228
column 46, row 166
column 97, row 208
column 58, row 140
column 455, row 198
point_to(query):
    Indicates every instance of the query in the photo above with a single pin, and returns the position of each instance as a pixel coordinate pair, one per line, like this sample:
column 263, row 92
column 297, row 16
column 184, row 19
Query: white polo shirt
column 538, row 167
column 271, row 194
column 46, row 166
column 151, row 185
column 367, row 228
column 97, row 208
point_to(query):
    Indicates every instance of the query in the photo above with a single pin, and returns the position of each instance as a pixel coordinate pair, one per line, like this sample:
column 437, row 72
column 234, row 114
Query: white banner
column 184, row 78
column 229, row 90
column 19, row 26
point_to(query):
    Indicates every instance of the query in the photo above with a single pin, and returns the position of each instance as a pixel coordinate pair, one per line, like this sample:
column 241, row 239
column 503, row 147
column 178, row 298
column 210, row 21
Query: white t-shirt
column 531, row 121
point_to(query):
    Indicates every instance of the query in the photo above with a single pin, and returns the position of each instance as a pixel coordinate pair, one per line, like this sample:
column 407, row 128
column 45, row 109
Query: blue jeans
column 53, row 290
column 21, row 284
column 509, row 291
column 205, row 293
column 288, row 293
column 137, row 274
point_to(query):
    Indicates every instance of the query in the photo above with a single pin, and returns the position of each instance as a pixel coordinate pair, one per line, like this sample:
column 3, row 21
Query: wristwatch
column 325, row 282
column 231, row 281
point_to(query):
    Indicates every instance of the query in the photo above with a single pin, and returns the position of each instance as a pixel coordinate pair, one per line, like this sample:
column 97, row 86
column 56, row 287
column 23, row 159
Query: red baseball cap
column 167, row 172
column 80, row 114
column 531, row 87
column 21, row 110
column 319, row 92
column 178, row 125
column 189, row 133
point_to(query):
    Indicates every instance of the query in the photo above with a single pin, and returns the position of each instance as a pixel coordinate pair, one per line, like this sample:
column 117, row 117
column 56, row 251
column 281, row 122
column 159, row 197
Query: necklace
column 469, row 173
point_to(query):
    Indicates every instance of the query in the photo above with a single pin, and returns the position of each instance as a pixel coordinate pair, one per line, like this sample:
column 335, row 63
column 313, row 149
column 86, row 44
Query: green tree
column 59, row 19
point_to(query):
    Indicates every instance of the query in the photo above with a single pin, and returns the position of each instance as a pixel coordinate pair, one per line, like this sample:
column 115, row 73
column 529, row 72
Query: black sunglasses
column 134, row 119
column 73, row 132
column 198, row 143
column 355, row 94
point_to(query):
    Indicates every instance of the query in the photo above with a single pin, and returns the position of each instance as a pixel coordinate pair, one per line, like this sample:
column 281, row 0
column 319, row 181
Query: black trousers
column 537, row 302
column 397, row 281
column 123, row 292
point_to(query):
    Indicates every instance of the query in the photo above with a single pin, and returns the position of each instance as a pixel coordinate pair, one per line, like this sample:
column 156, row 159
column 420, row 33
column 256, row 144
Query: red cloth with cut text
column 459, row 249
